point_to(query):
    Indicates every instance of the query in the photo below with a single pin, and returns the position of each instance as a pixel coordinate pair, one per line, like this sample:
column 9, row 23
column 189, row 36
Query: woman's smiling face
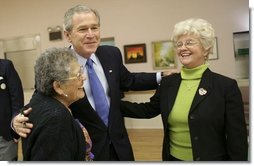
column 190, row 51
column 73, row 86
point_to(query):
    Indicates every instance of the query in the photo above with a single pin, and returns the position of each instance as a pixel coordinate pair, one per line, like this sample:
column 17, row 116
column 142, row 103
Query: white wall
column 132, row 22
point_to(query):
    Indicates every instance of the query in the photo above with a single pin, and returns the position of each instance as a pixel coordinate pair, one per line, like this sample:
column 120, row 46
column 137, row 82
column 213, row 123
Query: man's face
column 85, row 34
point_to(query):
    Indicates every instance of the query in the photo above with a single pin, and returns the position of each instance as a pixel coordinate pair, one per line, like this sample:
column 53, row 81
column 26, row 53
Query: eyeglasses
column 188, row 43
column 78, row 75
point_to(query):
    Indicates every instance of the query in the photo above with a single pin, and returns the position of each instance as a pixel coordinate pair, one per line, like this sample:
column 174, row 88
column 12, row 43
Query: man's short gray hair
column 78, row 9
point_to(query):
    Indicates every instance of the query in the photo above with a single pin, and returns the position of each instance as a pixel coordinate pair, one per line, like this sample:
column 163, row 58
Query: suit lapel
column 204, row 89
column 171, row 93
column 106, row 65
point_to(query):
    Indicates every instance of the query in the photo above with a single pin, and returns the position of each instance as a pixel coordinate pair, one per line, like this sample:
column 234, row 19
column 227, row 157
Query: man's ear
column 67, row 36
column 57, row 87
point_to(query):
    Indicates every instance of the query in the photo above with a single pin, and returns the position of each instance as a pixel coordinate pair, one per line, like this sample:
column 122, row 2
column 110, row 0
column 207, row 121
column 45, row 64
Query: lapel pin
column 110, row 71
column 3, row 86
column 202, row 91
column 1, row 78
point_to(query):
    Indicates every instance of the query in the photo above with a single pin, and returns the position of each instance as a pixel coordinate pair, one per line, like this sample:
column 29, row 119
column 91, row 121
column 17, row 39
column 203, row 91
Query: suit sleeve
column 134, row 81
column 236, row 131
column 15, row 90
column 145, row 110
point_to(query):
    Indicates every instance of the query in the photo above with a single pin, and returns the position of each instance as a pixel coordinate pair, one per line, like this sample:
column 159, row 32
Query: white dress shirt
column 100, row 73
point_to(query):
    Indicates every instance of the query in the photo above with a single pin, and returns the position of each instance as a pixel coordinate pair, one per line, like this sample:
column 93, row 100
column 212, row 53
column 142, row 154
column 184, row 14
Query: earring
column 65, row 95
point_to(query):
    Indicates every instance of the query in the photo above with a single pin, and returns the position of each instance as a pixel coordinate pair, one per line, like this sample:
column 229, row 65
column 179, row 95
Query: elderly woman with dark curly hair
column 56, row 135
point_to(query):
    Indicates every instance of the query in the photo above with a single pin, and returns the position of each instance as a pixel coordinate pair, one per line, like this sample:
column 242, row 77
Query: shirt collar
column 194, row 73
column 83, row 60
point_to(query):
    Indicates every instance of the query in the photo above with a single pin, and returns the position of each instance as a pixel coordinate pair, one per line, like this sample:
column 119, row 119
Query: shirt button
column 195, row 138
column 192, row 117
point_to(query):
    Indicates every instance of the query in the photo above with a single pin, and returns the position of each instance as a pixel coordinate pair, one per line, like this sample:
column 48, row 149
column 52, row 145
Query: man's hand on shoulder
column 169, row 72
column 20, row 123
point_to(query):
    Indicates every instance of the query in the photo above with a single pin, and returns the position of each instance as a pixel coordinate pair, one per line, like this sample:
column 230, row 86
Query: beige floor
column 146, row 144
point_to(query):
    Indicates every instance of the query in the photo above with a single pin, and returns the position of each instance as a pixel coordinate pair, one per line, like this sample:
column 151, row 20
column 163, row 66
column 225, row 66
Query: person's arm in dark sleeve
column 142, row 110
column 16, row 92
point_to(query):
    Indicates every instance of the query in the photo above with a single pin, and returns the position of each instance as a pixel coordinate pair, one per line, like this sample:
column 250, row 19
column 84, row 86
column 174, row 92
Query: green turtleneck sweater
column 180, row 142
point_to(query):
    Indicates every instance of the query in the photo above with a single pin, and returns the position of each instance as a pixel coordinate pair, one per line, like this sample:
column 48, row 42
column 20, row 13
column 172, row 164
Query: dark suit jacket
column 55, row 136
column 119, row 78
column 11, row 97
column 216, row 119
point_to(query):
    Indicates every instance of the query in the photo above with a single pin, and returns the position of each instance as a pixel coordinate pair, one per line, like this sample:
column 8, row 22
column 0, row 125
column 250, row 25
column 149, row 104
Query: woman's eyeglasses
column 188, row 43
column 78, row 75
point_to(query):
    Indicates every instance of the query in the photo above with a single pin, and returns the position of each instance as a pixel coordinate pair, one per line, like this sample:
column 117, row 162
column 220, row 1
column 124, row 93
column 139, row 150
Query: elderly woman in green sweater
column 202, row 111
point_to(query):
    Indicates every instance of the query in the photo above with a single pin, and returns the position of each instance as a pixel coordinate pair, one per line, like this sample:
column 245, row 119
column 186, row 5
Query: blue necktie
column 99, row 96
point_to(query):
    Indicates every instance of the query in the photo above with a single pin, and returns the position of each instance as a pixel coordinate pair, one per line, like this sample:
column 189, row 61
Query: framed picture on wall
column 214, row 54
column 241, row 43
column 135, row 53
column 163, row 54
